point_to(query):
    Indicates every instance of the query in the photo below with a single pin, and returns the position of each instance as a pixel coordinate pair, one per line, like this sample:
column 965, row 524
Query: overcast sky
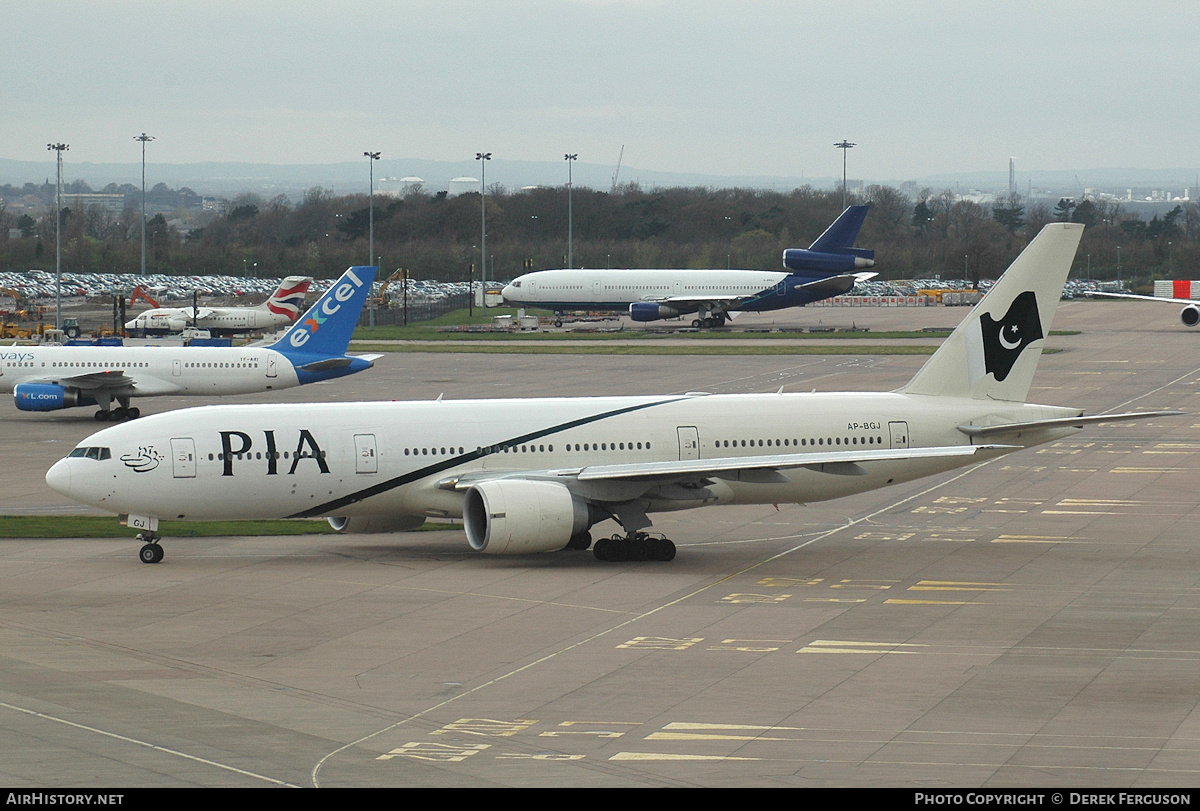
column 715, row 86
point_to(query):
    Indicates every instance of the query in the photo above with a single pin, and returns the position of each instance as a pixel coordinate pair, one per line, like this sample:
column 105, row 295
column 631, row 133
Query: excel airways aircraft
column 828, row 267
column 47, row 378
column 280, row 310
column 534, row 475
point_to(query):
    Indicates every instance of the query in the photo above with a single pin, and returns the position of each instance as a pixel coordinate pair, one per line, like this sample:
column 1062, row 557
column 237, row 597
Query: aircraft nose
column 58, row 477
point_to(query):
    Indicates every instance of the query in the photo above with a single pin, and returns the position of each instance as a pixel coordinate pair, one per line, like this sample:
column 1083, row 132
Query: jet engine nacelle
column 1190, row 315
column 516, row 517
column 48, row 397
column 651, row 311
column 852, row 259
column 178, row 324
column 376, row 523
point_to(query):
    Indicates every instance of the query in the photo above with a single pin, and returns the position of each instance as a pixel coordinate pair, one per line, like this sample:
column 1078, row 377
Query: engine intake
column 1190, row 315
column 48, row 397
column 515, row 517
column 651, row 311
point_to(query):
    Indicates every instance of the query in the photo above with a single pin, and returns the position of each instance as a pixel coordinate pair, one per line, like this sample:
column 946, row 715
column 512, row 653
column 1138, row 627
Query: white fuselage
column 390, row 459
column 617, row 288
column 219, row 320
column 152, row 370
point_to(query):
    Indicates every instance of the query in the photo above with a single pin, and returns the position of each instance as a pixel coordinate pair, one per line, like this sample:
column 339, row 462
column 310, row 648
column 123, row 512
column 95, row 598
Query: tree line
column 436, row 236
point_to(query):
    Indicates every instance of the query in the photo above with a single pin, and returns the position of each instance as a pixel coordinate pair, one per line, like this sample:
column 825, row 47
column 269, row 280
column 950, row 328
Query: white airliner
column 1189, row 316
column 534, row 475
column 829, row 267
column 48, row 378
column 280, row 310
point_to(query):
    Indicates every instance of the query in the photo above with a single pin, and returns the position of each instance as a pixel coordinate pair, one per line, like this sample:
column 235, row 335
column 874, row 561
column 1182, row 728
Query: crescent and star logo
column 1004, row 340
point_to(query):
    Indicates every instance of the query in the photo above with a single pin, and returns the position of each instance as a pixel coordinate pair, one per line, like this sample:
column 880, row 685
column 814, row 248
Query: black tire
column 134, row 412
column 72, row 332
column 664, row 549
column 150, row 553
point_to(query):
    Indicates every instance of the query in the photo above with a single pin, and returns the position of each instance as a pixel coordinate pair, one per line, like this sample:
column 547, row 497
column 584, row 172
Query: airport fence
column 416, row 312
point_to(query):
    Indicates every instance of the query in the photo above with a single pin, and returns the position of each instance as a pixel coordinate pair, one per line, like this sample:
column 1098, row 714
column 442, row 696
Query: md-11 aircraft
column 49, row 378
column 280, row 310
column 829, row 267
column 534, row 475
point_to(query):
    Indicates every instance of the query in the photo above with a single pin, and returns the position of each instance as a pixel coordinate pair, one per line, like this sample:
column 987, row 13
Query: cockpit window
column 98, row 454
column 516, row 284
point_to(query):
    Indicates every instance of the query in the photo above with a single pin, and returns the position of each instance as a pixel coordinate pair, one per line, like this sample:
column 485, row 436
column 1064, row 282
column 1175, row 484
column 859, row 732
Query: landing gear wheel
column 150, row 553
column 102, row 416
column 119, row 413
column 696, row 323
column 579, row 542
column 718, row 320
column 133, row 412
column 638, row 546
column 558, row 322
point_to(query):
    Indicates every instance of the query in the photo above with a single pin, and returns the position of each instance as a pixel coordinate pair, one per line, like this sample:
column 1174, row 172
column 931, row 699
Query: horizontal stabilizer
column 1060, row 422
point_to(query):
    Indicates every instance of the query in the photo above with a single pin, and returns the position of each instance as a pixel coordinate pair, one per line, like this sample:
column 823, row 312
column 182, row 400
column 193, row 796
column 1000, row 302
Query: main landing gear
column 151, row 552
column 709, row 321
column 634, row 546
column 117, row 414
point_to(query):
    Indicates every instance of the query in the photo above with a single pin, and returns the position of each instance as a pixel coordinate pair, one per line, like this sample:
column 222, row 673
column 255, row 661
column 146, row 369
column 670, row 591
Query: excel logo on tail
column 329, row 304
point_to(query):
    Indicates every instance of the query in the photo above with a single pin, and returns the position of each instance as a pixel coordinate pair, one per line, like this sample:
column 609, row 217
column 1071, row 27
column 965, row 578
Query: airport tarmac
column 1026, row 622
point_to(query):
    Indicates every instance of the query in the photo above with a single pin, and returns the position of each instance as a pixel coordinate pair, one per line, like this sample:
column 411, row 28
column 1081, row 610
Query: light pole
column 570, row 159
column 372, row 157
column 1118, row 263
column 845, row 146
column 59, row 148
column 143, row 138
column 483, row 158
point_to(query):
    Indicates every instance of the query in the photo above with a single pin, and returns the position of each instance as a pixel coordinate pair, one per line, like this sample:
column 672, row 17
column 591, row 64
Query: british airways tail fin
column 842, row 232
column 325, row 330
column 994, row 352
column 288, row 298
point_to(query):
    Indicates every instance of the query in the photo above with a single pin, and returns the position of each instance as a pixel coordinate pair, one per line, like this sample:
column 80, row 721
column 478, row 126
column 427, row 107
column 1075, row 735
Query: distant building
column 105, row 202
column 463, row 185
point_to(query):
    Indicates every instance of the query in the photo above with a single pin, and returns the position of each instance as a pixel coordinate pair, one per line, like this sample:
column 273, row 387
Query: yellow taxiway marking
column 1145, row 470
column 951, row 585
column 839, row 646
column 700, row 736
column 1035, row 538
column 648, row 756
column 897, row 601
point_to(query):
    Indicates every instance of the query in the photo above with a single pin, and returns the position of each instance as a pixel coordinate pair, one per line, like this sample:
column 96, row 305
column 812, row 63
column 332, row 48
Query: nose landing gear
column 151, row 552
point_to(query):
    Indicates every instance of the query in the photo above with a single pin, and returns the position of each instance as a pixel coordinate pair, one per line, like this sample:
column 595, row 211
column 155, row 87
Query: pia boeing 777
column 829, row 267
column 534, row 475
column 49, row 378
column 279, row 310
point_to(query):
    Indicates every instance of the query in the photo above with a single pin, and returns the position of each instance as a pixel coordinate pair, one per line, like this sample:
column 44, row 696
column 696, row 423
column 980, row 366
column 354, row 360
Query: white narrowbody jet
column 49, row 378
column 280, row 310
column 534, row 475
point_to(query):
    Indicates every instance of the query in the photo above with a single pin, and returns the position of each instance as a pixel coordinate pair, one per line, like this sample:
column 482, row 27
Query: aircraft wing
column 687, row 471
column 1092, row 293
column 109, row 381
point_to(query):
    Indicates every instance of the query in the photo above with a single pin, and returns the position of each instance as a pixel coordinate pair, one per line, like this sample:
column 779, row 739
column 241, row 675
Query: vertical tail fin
column 325, row 330
column 994, row 352
column 842, row 232
column 288, row 298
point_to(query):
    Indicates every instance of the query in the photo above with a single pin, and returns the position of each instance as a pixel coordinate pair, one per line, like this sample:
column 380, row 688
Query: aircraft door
column 899, row 432
column 689, row 442
column 597, row 290
column 271, row 370
column 367, row 459
column 176, row 367
column 183, row 458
